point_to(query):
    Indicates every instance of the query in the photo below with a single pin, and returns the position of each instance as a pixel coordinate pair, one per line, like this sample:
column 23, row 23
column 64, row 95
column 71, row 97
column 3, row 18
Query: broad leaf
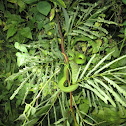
column 43, row 7
column 26, row 32
column 124, row 1
column 29, row 1
column 11, row 31
column 21, row 58
column 21, row 47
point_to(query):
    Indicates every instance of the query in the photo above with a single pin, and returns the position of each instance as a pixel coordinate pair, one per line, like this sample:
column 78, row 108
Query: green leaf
column 7, row 107
column 11, row 31
column 66, row 19
column 125, row 32
column 32, row 122
column 89, row 24
column 52, row 14
column 124, row 1
column 2, row 6
column 9, row 85
column 21, row 5
column 21, row 58
column 122, row 91
column 84, row 107
column 12, row 1
column 1, row 22
column 40, row 25
column 20, row 87
column 29, row 1
column 43, row 110
column 26, row 32
column 96, row 45
column 80, row 38
column 40, row 17
column 43, row 7
column 110, row 63
column 98, row 64
column 111, row 116
column 77, row 32
column 77, row 118
column 96, row 92
column 122, row 62
column 60, row 120
column 27, row 107
column 116, row 52
column 13, row 18
column 21, row 47
column 60, row 2
column 21, row 117
column 86, row 29
column 33, row 110
column 87, row 66
column 124, row 23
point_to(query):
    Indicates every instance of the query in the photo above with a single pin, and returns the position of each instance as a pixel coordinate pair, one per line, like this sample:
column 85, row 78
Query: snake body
column 74, row 61
column 62, row 81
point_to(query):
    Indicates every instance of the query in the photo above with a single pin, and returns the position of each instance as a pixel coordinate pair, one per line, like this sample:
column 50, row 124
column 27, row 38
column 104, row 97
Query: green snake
column 75, row 59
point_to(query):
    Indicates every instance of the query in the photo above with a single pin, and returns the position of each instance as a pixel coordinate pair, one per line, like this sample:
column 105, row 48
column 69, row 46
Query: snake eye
column 66, row 83
column 81, row 56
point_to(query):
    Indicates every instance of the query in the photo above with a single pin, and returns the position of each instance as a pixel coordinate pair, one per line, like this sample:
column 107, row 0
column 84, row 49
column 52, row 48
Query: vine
column 66, row 62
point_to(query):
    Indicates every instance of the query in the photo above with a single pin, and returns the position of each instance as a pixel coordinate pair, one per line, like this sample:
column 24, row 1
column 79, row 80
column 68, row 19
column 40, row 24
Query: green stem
column 122, row 45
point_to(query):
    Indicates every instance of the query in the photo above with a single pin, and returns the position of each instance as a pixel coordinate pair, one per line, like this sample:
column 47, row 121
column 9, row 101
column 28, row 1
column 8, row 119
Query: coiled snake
column 75, row 59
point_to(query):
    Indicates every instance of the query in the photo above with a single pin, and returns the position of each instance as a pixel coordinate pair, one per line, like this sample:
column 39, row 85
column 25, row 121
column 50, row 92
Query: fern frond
column 95, row 27
column 116, row 95
column 87, row 12
column 85, row 25
column 103, row 21
column 115, row 86
column 77, row 32
column 95, row 33
column 98, row 12
column 106, row 95
column 104, row 84
column 21, row 85
column 99, row 63
column 21, row 72
column 87, row 66
column 108, row 64
column 119, row 78
column 95, row 91
column 115, row 69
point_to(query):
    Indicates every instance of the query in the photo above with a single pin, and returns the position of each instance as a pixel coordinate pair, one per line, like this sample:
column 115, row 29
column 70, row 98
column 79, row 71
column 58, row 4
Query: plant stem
column 66, row 62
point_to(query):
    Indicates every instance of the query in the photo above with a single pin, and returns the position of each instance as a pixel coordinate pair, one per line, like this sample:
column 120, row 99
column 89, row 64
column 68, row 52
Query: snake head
column 80, row 58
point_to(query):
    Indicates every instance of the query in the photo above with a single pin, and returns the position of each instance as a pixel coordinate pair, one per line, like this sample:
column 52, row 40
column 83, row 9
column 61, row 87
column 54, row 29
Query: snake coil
column 75, row 60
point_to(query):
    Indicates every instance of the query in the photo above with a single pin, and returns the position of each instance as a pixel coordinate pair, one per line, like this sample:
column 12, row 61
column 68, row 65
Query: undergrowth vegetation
column 38, row 39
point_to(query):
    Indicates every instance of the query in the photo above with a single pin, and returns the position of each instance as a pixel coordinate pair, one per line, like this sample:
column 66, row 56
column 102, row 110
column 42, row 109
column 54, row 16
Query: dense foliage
column 32, row 62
